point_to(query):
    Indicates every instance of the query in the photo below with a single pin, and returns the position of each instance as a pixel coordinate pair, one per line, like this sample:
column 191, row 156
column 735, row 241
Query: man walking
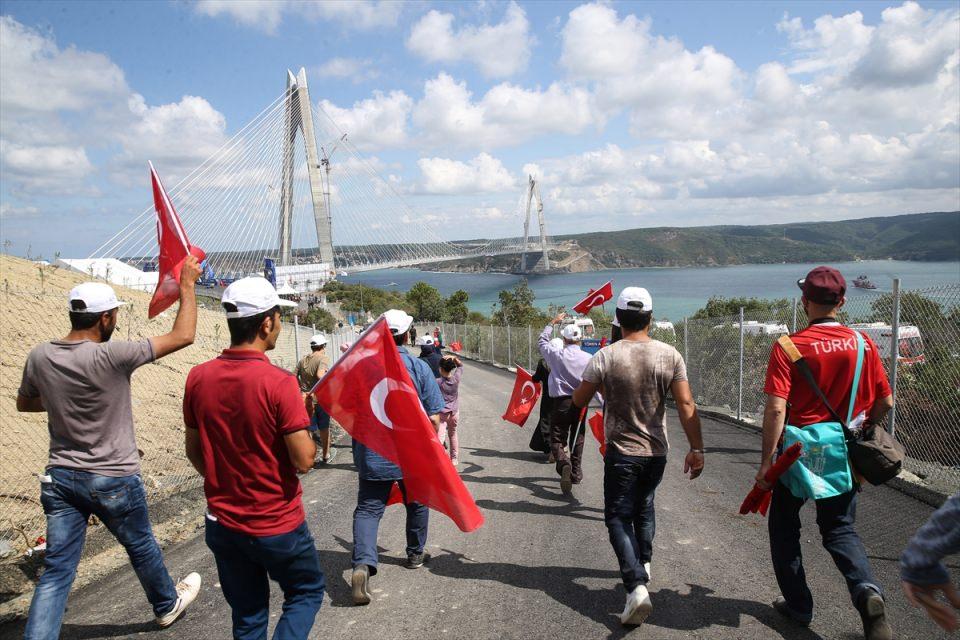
column 378, row 475
column 83, row 383
column 634, row 375
column 309, row 371
column 566, row 363
column 831, row 353
column 247, row 436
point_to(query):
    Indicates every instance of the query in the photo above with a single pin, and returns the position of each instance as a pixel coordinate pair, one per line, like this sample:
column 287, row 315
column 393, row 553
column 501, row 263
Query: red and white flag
column 370, row 394
column 596, row 426
column 174, row 249
column 594, row 298
column 522, row 400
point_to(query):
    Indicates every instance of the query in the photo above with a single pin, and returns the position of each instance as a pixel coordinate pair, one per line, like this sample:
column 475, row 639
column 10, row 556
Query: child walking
column 450, row 370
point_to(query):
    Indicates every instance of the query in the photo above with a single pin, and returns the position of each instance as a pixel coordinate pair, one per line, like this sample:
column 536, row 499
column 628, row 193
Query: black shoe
column 781, row 607
column 359, row 581
column 566, row 481
column 416, row 560
column 874, row 616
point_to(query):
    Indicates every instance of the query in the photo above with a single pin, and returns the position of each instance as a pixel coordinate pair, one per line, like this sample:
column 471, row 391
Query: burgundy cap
column 823, row 285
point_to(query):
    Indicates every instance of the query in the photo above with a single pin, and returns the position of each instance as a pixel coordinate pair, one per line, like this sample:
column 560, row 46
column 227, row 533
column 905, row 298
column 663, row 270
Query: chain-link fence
column 157, row 391
column 727, row 361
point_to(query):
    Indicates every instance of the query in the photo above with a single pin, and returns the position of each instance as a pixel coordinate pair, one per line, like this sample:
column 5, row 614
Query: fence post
column 509, row 348
column 894, row 354
column 740, row 375
column 530, row 347
column 793, row 326
column 492, row 352
column 686, row 351
column 296, row 338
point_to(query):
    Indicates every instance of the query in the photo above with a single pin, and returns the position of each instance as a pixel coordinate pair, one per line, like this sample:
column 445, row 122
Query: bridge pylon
column 299, row 117
column 533, row 193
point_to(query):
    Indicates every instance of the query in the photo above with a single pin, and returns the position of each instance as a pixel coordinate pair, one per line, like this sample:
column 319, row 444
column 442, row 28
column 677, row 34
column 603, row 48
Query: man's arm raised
column 185, row 326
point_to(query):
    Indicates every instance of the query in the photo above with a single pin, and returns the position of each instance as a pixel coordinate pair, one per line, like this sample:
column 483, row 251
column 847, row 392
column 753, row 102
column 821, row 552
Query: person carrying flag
column 247, row 436
column 82, row 381
column 309, row 370
column 566, row 364
column 377, row 476
column 635, row 374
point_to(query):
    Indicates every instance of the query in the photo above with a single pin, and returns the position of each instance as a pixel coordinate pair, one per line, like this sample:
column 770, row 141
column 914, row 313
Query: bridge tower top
column 533, row 194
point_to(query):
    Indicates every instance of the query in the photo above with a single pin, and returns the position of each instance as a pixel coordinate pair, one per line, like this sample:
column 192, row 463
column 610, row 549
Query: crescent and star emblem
column 378, row 399
column 524, row 397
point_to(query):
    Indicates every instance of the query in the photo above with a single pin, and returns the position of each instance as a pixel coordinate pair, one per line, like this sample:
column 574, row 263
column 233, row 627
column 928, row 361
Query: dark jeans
column 371, row 501
column 629, row 484
column 835, row 518
column 246, row 564
column 566, row 429
column 120, row 503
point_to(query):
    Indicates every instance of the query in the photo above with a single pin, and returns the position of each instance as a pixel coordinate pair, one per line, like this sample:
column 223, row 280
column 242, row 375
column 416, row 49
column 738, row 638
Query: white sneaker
column 646, row 567
column 187, row 590
column 455, row 461
column 638, row 607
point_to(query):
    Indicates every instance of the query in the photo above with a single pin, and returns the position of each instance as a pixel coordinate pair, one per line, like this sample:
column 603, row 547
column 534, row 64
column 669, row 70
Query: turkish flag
column 596, row 425
column 370, row 394
column 594, row 298
column 524, row 397
column 758, row 500
column 174, row 249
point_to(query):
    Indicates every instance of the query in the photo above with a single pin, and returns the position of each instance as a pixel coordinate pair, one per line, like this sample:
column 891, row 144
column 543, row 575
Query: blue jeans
column 120, row 503
column 371, row 502
column 835, row 518
column 629, row 484
column 246, row 564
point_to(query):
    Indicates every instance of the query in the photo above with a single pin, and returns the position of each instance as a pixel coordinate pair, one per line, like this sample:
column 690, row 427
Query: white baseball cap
column 635, row 299
column 251, row 296
column 398, row 320
column 571, row 332
column 96, row 297
column 318, row 340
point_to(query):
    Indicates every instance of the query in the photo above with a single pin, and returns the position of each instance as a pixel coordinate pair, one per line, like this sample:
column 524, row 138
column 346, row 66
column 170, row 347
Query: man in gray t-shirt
column 82, row 382
column 634, row 375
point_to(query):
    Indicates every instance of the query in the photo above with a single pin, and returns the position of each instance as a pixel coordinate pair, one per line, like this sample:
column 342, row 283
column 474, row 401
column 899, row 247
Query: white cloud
column 8, row 210
column 267, row 15
column 354, row 69
column 482, row 174
column 373, row 123
column 488, row 213
column 498, row 50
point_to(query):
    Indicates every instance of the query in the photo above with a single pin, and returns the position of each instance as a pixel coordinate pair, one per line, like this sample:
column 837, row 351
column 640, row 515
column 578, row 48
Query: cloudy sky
column 630, row 114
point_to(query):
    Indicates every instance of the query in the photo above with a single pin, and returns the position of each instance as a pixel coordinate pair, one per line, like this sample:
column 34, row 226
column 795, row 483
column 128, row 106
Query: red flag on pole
column 174, row 249
column 370, row 394
column 596, row 425
column 594, row 298
column 522, row 400
column 758, row 500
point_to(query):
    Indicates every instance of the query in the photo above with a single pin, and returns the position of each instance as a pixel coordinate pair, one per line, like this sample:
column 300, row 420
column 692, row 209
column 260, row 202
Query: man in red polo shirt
column 247, row 436
column 830, row 349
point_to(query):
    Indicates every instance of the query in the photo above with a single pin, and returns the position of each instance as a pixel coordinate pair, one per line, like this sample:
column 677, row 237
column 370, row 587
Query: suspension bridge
column 315, row 210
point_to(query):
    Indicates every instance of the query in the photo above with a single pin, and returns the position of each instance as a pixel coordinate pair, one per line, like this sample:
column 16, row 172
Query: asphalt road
column 541, row 566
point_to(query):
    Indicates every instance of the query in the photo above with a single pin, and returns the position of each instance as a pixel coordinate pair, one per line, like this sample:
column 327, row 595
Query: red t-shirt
column 243, row 407
column 831, row 351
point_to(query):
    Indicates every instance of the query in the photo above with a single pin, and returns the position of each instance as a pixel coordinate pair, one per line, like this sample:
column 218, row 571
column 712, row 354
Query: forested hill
column 920, row 236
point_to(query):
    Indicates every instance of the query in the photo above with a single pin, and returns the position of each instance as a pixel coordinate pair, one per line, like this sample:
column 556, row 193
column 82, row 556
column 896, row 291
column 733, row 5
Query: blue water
column 677, row 292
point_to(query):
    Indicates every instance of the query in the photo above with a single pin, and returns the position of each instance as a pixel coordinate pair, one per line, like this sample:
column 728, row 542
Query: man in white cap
column 309, row 371
column 566, row 363
column 247, row 435
column 82, row 381
column 377, row 476
column 634, row 375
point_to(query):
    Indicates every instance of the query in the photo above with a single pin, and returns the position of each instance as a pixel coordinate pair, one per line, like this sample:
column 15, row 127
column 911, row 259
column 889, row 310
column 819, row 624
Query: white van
column 755, row 328
column 909, row 341
column 664, row 326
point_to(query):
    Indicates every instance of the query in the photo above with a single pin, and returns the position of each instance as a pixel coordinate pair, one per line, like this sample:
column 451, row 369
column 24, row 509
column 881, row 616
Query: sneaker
column 874, row 617
column 638, row 607
column 455, row 461
column 187, row 591
column 416, row 560
column 566, row 482
column 646, row 567
column 359, row 580
column 780, row 606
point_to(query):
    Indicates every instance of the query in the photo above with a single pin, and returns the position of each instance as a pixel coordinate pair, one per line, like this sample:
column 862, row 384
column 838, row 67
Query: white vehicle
column 910, row 343
column 587, row 329
column 663, row 325
column 755, row 328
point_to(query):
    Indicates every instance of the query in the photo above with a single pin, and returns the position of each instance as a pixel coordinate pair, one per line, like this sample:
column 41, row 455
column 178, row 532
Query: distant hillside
column 920, row 236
